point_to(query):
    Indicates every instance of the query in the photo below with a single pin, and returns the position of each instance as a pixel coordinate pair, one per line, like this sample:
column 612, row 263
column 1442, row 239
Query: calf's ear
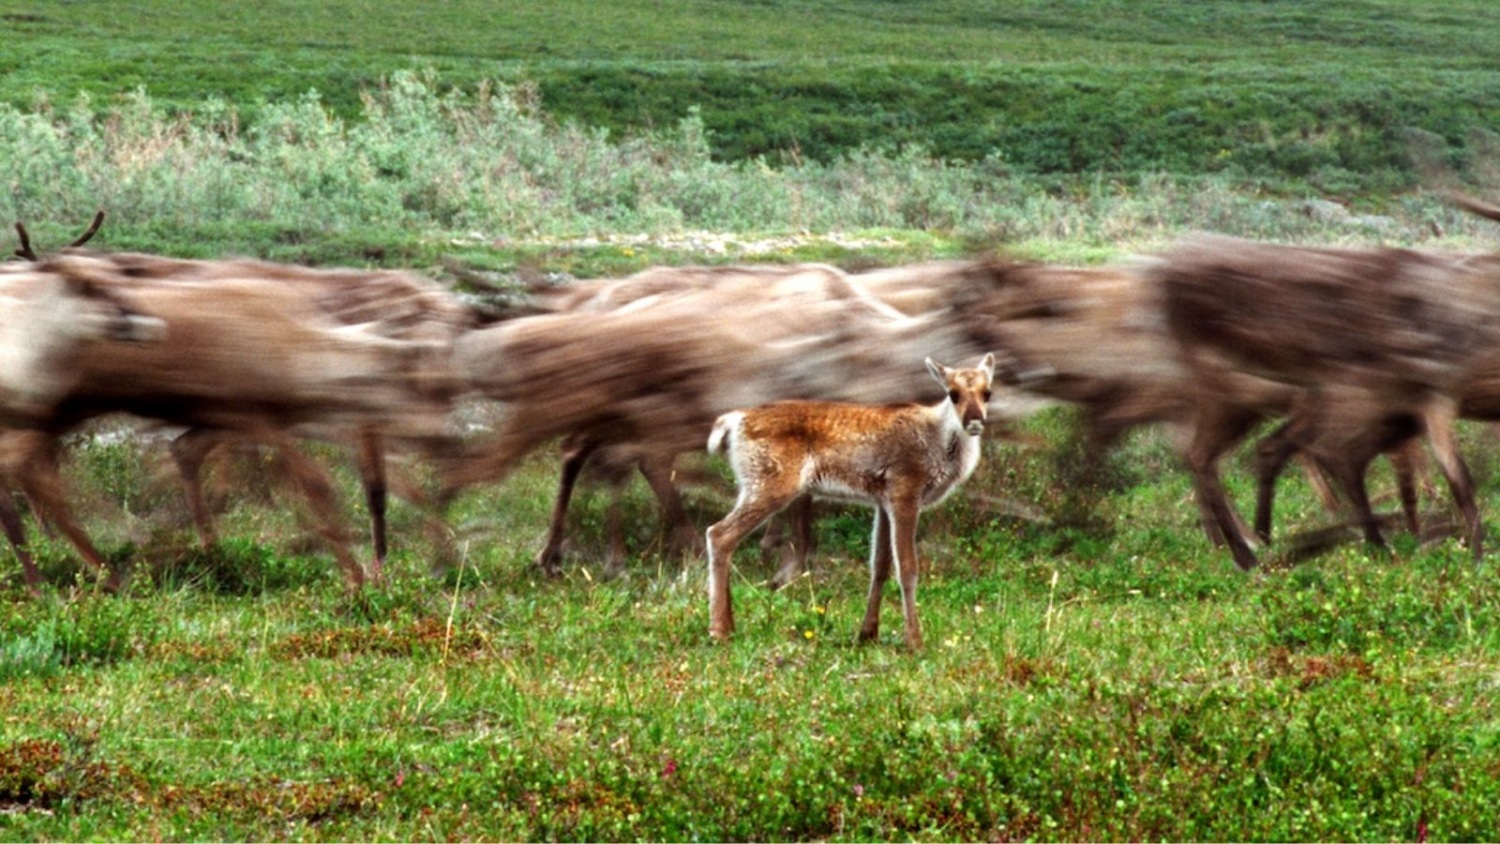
column 987, row 363
column 939, row 372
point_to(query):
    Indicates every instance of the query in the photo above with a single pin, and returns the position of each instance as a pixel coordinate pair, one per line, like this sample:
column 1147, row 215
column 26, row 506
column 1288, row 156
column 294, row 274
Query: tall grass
column 429, row 163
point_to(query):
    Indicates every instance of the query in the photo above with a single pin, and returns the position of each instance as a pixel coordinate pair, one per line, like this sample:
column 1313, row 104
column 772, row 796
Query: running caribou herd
column 871, row 386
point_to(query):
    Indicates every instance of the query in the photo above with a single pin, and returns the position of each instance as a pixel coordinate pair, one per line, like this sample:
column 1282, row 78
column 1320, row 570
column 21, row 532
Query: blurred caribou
column 246, row 352
column 1478, row 397
column 396, row 305
column 1103, row 334
column 1378, row 343
column 651, row 375
column 46, row 319
column 614, row 460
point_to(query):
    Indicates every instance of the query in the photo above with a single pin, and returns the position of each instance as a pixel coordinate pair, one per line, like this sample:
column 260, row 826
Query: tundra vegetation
column 1094, row 669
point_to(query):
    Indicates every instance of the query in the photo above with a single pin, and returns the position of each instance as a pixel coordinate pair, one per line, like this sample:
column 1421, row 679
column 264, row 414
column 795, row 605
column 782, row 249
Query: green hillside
column 1293, row 92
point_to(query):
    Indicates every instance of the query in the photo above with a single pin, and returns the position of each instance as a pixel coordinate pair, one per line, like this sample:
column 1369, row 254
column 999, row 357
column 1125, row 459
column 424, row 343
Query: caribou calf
column 899, row 458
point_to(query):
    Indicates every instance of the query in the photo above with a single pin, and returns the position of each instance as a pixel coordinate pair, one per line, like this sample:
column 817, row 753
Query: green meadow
column 1094, row 669
column 1298, row 94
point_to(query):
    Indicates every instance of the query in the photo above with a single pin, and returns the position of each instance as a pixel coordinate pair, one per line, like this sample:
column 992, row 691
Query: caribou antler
column 90, row 231
column 25, row 251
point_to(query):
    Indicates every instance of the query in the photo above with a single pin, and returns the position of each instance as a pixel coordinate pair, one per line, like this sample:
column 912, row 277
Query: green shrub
column 92, row 630
column 1376, row 606
column 426, row 161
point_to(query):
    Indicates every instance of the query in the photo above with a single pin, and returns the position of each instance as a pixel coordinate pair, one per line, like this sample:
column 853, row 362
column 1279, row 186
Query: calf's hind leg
column 751, row 511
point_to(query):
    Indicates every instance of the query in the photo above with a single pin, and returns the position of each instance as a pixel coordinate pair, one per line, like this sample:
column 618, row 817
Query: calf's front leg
column 904, row 539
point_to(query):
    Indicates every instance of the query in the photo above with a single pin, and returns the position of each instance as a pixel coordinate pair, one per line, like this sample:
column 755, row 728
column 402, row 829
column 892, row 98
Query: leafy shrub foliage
column 483, row 166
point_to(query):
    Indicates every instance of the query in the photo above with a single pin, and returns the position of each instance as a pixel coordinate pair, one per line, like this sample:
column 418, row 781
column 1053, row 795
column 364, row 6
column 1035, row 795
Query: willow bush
column 489, row 162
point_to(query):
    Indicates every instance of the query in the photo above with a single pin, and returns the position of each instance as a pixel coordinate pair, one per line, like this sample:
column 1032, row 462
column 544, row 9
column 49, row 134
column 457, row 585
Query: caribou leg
column 1437, row 420
column 15, row 531
column 1215, row 429
column 40, row 477
column 372, row 477
column 1406, row 460
column 319, row 491
column 1342, row 451
column 576, row 453
column 1271, row 455
column 798, row 521
column 682, row 537
column 189, row 450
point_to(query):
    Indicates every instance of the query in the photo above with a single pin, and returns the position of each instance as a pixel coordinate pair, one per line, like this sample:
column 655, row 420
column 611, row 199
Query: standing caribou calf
column 898, row 458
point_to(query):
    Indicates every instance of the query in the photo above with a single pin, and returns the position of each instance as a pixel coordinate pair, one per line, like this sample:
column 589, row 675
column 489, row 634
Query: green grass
column 1296, row 95
column 1103, row 675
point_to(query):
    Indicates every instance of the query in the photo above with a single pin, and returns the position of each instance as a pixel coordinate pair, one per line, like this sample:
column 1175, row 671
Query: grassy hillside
column 1297, row 93
column 439, row 180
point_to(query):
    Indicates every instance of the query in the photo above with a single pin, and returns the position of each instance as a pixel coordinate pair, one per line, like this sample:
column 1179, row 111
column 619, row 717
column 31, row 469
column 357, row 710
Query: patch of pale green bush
column 438, row 162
